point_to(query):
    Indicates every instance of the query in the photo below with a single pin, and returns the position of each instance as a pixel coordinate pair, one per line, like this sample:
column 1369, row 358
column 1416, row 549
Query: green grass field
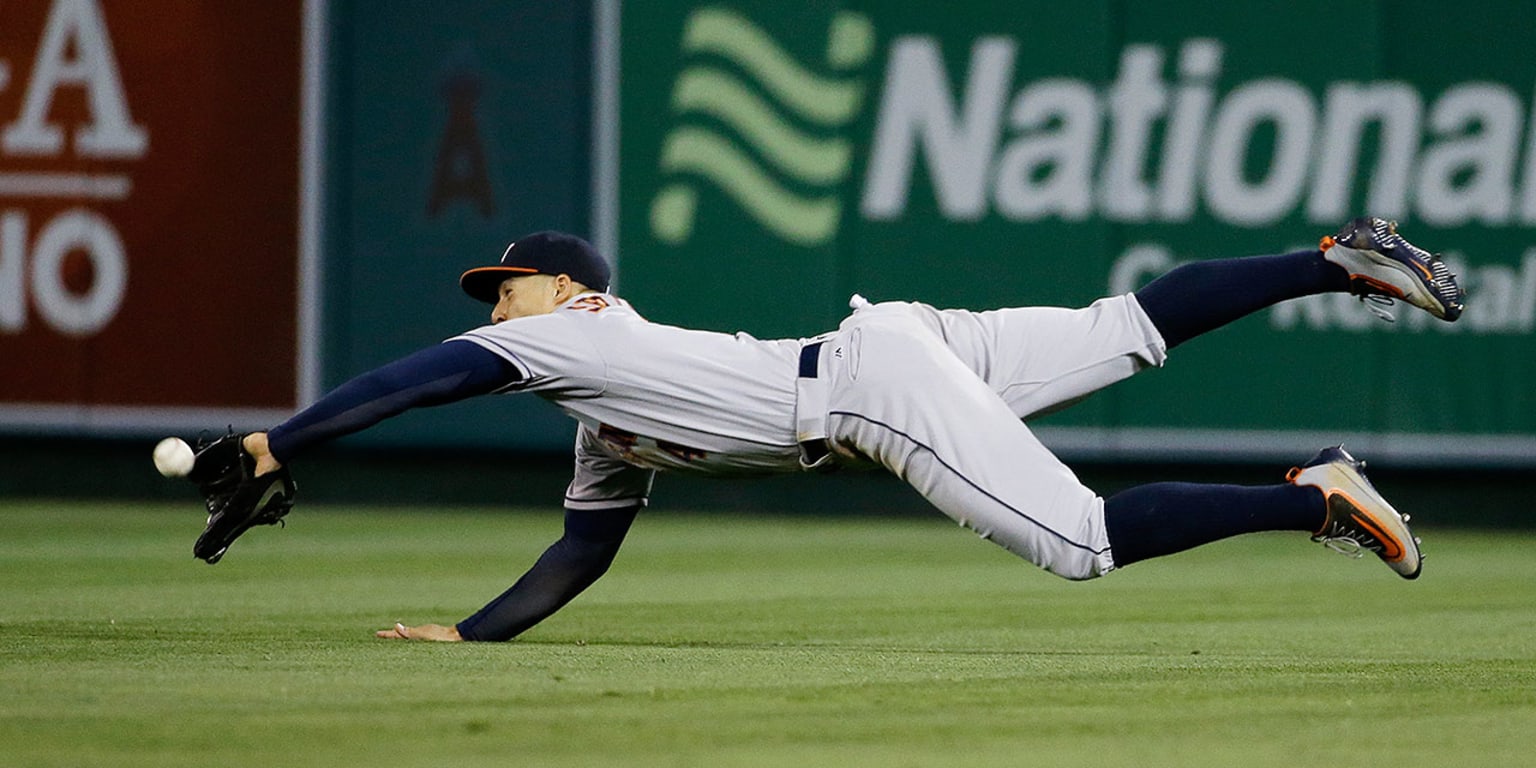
column 729, row 640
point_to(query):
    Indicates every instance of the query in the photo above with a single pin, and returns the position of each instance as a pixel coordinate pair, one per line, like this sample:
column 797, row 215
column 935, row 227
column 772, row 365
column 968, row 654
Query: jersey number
column 625, row 442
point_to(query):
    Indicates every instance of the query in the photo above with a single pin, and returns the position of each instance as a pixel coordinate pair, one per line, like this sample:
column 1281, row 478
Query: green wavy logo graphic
column 783, row 155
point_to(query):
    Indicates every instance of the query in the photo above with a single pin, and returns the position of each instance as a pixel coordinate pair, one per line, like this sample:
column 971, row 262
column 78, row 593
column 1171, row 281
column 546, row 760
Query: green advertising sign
column 453, row 129
column 776, row 158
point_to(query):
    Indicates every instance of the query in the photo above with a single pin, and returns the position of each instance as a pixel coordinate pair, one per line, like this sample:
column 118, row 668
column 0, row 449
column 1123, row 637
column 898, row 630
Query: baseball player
column 938, row 397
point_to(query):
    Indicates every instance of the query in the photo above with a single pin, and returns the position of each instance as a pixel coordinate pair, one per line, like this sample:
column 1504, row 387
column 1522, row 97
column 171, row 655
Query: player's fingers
column 398, row 632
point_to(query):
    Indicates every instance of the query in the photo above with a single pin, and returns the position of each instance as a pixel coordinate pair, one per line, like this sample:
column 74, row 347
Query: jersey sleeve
column 603, row 480
column 551, row 353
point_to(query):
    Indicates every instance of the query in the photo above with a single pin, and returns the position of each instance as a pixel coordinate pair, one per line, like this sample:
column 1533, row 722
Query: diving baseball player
column 938, row 397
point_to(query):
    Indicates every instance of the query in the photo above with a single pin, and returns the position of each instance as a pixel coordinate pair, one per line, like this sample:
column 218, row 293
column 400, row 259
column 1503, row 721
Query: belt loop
column 812, row 395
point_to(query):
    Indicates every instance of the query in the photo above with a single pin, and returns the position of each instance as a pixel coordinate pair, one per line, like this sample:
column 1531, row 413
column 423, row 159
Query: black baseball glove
column 237, row 501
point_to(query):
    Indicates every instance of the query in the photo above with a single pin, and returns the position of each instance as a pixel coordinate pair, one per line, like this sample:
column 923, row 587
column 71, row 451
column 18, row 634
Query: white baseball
column 173, row 457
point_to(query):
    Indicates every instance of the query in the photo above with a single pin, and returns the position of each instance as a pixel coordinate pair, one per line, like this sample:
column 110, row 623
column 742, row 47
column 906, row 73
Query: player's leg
column 1366, row 257
column 901, row 398
column 1201, row 296
column 1159, row 519
column 1041, row 359
column 1328, row 497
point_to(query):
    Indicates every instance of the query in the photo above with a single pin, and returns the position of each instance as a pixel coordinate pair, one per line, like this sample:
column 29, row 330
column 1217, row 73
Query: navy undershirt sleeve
column 445, row 373
column 570, row 565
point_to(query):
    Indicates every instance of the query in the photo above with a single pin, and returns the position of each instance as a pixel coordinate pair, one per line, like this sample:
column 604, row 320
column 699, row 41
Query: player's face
column 525, row 296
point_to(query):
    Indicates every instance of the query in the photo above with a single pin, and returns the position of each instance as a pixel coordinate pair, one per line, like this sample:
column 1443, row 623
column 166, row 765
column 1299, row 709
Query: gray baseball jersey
column 650, row 396
column 935, row 396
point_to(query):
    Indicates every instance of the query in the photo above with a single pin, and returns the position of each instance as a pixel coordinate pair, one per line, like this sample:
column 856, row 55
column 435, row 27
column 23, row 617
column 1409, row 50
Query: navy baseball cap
column 541, row 253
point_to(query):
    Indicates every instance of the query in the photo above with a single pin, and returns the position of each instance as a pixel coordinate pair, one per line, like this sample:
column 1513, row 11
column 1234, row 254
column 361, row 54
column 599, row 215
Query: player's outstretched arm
column 570, row 565
column 444, row 373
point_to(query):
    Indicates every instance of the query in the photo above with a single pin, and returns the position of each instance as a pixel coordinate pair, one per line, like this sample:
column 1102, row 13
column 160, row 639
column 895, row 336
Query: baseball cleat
column 1383, row 266
column 1358, row 517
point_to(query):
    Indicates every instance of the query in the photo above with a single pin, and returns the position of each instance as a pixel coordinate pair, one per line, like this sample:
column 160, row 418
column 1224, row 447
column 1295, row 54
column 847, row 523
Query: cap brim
column 484, row 283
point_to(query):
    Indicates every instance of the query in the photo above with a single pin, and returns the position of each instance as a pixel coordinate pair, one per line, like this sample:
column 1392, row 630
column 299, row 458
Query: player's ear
column 563, row 284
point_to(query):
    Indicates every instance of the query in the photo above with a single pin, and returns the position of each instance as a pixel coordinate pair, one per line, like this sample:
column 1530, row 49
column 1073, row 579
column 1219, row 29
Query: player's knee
column 1070, row 565
column 1079, row 566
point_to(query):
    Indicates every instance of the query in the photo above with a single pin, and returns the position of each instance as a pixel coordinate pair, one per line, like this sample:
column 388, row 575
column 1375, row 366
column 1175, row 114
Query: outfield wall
column 1034, row 153
column 749, row 164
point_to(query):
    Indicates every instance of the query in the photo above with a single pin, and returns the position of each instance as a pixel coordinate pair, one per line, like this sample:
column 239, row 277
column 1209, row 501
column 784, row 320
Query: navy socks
column 1204, row 295
column 1162, row 518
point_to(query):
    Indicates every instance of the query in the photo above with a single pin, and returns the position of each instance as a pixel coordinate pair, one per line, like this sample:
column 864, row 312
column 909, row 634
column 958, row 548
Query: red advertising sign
column 151, row 258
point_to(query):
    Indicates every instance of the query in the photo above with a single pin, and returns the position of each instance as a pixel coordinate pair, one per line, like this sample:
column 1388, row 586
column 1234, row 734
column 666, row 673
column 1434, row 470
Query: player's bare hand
column 256, row 445
column 433, row 632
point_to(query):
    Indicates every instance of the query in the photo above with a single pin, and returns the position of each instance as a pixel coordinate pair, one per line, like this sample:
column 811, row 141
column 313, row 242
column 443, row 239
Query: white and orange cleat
column 1358, row 517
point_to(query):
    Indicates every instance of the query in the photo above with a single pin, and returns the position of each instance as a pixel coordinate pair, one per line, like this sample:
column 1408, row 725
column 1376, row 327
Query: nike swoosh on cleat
column 1428, row 275
column 1387, row 289
column 1391, row 549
